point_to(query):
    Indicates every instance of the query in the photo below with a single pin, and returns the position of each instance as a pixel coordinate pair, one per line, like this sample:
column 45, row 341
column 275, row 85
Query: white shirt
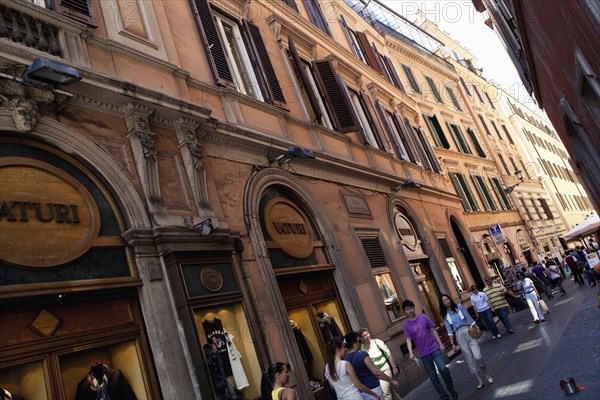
column 344, row 387
column 480, row 301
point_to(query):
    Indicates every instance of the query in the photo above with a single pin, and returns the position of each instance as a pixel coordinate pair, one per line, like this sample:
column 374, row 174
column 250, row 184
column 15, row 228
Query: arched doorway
column 465, row 249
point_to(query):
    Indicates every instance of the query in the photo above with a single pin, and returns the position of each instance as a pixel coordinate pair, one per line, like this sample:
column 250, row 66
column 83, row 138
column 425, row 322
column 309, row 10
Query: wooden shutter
column 429, row 149
column 460, row 191
column 379, row 58
column 367, row 50
column 374, row 120
column 316, row 15
column 212, row 43
column 337, row 100
column 445, row 247
column 480, row 191
column 395, row 141
column 405, row 137
column 274, row 94
column 393, row 73
column 374, row 252
column 478, row 147
column 297, row 62
column 419, row 145
column 75, row 9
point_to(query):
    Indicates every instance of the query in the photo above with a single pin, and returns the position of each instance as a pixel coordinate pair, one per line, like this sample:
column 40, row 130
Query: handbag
column 543, row 307
column 474, row 332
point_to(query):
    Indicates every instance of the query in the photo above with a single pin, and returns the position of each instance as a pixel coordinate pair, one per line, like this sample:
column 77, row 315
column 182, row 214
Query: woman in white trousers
column 532, row 298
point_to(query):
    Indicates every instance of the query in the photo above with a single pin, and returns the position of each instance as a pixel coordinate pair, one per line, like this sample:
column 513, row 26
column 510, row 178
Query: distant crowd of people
column 359, row 366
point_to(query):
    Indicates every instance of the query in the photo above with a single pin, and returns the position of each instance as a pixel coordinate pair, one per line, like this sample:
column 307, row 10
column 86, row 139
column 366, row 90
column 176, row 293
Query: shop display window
column 27, row 381
column 389, row 296
column 229, row 351
column 121, row 361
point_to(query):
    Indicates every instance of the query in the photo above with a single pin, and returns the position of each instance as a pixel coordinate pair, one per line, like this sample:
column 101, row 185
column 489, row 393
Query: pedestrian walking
column 575, row 267
column 341, row 375
column 496, row 293
column 481, row 304
column 458, row 321
column 532, row 297
column 421, row 330
column 365, row 369
column 539, row 285
column 382, row 358
column 556, row 277
column 274, row 381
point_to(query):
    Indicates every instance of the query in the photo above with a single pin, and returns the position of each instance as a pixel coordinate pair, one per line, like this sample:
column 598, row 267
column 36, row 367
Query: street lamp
column 519, row 175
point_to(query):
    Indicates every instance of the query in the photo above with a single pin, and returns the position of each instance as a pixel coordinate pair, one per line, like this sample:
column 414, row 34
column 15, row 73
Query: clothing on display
column 235, row 360
column 328, row 326
column 215, row 335
column 301, row 341
column 104, row 383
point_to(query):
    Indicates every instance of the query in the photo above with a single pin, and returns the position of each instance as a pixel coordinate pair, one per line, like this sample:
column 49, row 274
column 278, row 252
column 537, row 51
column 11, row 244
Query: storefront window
column 389, row 296
column 26, row 381
column 458, row 281
column 229, row 351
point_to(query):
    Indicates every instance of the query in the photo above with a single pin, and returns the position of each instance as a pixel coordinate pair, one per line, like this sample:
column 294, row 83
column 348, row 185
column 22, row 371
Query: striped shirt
column 496, row 296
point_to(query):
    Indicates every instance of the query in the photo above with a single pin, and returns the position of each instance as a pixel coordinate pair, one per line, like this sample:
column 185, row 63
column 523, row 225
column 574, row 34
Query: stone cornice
column 414, row 55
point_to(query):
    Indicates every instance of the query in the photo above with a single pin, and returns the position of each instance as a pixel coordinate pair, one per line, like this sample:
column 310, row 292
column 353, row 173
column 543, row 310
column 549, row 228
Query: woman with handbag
column 365, row 369
column 532, row 297
column 463, row 330
column 382, row 358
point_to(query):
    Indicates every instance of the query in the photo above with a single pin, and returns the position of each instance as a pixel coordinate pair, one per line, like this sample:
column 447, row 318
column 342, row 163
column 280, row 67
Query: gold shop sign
column 47, row 217
column 288, row 227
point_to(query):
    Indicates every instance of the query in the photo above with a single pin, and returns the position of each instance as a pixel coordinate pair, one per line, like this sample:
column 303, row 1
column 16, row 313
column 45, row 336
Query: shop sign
column 211, row 279
column 47, row 217
column 288, row 227
column 408, row 236
column 497, row 234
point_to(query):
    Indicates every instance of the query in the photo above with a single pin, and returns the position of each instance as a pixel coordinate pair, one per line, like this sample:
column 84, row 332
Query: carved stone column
column 193, row 160
column 144, row 152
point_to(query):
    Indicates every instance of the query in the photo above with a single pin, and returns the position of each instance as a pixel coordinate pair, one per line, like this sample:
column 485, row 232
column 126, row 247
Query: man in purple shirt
column 421, row 330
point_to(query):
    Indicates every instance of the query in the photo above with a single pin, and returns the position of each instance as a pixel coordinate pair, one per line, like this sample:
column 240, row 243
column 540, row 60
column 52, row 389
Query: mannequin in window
column 305, row 352
column 215, row 335
column 104, row 383
column 328, row 326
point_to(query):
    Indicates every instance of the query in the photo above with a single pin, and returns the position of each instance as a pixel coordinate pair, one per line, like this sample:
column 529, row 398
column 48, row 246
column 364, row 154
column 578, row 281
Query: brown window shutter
column 75, row 9
column 392, row 135
column 272, row 89
column 406, row 139
column 212, row 43
column 374, row 120
column 418, row 145
column 312, row 99
column 337, row 100
column 445, row 247
column 394, row 74
column 363, row 41
column 429, row 149
column 374, row 252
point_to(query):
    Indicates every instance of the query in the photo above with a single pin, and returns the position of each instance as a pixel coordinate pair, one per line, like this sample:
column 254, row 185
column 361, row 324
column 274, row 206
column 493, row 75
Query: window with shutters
column 487, row 130
column 368, row 135
column 436, row 131
column 503, row 162
column 382, row 276
column 453, row 98
column 237, row 54
column 79, row 10
column 434, row 89
column 387, row 120
column 484, row 193
column 432, row 163
column 459, row 281
column 411, row 78
column 514, row 165
column 537, row 210
column 478, row 94
column 546, row 208
column 316, row 15
column 352, row 40
column 392, row 73
column 464, row 84
column 526, row 209
column 459, row 139
column 487, row 96
column 478, row 147
column 500, row 194
column 496, row 129
column 510, row 139
column 464, row 191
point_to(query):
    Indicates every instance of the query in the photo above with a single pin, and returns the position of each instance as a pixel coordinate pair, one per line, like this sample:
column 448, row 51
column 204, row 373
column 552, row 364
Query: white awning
column 587, row 227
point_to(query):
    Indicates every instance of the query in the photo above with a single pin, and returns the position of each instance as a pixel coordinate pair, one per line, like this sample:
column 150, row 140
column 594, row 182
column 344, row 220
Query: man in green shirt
column 495, row 293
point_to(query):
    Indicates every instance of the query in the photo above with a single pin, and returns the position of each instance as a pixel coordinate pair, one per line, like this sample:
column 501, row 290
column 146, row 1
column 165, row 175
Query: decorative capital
column 25, row 112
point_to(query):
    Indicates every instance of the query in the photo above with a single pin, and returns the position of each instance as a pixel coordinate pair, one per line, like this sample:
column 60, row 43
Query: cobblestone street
column 530, row 364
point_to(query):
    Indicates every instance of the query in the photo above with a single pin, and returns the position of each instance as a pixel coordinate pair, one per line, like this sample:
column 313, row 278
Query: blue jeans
column 429, row 362
column 488, row 320
column 502, row 313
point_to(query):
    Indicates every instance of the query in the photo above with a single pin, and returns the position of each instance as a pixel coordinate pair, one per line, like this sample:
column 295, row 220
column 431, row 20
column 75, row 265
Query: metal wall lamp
column 52, row 73
column 519, row 175
column 407, row 185
column 291, row 153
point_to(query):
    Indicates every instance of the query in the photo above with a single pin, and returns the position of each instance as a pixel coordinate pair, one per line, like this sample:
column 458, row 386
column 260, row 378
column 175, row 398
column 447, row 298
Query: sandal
column 490, row 379
column 481, row 385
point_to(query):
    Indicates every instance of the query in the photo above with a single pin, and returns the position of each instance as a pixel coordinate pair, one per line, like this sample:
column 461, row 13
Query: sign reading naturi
column 47, row 218
column 288, row 227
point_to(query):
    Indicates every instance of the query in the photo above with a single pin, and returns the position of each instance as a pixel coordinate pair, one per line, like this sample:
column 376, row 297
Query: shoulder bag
column 387, row 360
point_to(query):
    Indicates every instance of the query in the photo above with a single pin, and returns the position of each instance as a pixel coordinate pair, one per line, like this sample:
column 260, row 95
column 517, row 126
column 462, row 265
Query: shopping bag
column 544, row 307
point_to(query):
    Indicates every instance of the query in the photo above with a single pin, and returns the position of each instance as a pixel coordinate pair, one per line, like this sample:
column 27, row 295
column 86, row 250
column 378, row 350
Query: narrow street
column 530, row 364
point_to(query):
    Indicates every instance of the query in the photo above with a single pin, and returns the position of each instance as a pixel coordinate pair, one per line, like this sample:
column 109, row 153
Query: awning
column 587, row 227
